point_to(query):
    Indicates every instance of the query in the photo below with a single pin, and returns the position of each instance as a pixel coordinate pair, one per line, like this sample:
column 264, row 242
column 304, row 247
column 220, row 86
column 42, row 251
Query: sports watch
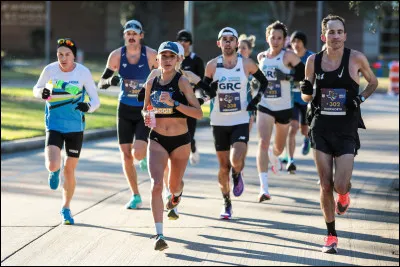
column 362, row 98
column 176, row 103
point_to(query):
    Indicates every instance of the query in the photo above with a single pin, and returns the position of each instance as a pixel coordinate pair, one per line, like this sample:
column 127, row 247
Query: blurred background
column 96, row 26
column 30, row 29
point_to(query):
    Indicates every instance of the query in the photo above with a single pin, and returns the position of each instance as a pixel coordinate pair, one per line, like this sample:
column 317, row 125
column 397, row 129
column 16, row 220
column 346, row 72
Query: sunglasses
column 133, row 25
column 68, row 42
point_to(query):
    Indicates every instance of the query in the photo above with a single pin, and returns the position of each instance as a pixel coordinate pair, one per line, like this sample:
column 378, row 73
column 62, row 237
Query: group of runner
column 173, row 83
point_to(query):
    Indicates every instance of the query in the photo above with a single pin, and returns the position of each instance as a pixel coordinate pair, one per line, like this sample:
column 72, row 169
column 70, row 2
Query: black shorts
column 170, row 143
column 130, row 124
column 281, row 116
column 226, row 136
column 299, row 111
column 73, row 142
column 335, row 143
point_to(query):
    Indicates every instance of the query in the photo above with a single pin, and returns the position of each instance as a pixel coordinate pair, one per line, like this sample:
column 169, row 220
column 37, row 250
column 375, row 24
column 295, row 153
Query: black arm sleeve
column 207, row 80
column 107, row 73
column 299, row 72
column 263, row 81
column 210, row 88
column 105, row 80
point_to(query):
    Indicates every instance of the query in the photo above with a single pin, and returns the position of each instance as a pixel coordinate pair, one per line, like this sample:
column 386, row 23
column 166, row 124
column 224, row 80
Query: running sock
column 167, row 192
column 291, row 160
column 227, row 199
column 331, row 228
column 235, row 174
column 159, row 228
column 263, row 182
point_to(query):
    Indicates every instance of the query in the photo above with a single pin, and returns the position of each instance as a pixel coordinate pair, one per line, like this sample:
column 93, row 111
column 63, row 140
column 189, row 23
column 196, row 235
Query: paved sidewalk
column 288, row 230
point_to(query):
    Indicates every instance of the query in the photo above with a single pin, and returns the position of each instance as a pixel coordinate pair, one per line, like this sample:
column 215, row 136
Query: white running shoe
column 194, row 158
column 276, row 165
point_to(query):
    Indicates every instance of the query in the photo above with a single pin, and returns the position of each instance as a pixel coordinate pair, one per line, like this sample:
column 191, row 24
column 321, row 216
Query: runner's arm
column 309, row 76
column 91, row 89
column 41, row 83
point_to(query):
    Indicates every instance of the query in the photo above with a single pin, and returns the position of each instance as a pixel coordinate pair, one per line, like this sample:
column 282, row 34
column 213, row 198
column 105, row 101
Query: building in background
column 97, row 25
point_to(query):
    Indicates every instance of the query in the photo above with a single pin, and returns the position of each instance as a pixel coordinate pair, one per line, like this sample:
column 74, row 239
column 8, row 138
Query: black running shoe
column 160, row 243
column 291, row 168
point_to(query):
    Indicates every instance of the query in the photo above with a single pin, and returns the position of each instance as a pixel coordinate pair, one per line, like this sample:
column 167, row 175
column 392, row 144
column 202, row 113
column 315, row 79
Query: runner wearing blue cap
column 173, row 100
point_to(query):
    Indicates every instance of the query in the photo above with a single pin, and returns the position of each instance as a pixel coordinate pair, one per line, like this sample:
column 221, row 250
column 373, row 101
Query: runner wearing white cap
column 229, row 112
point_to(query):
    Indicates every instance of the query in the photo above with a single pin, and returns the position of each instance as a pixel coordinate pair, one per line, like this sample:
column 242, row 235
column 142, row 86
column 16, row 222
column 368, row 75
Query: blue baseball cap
column 168, row 46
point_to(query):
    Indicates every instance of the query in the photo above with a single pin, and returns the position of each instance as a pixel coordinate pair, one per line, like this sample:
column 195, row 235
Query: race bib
column 273, row 90
column 132, row 87
column 160, row 107
column 333, row 101
column 229, row 102
column 274, row 85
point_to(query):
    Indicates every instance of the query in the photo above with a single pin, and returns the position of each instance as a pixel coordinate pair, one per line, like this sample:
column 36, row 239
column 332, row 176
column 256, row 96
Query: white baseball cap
column 181, row 49
column 227, row 31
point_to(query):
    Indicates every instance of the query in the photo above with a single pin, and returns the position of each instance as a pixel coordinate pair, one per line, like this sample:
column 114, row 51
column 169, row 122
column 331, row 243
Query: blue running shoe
column 66, row 216
column 238, row 184
column 306, row 146
column 54, row 179
column 134, row 203
column 143, row 164
column 284, row 159
column 226, row 213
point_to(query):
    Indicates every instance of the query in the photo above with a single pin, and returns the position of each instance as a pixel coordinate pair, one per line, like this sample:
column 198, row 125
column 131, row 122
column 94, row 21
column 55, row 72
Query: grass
column 27, row 73
column 22, row 115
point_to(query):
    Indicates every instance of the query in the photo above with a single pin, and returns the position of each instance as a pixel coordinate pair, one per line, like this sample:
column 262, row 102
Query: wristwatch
column 362, row 98
column 176, row 103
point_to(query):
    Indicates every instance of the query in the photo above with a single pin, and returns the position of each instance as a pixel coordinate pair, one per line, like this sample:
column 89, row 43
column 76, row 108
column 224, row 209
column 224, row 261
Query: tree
column 375, row 11
column 247, row 17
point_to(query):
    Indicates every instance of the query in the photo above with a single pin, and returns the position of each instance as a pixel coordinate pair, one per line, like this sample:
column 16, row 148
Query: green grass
column 33, row 72
column 22, row 115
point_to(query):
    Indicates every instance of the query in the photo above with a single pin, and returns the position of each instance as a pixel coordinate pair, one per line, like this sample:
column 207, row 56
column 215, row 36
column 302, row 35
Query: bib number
column 160, row 107
column 273, row 90
column 132, row 87
column 333, row 101
column 229, row 102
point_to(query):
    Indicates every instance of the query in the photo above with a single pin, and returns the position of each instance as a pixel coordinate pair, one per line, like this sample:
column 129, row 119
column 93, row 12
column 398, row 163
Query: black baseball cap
column 299, row 35
column 184, row 35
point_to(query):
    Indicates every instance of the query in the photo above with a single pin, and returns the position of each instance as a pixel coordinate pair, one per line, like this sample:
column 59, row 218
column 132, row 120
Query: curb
column 39, row 142
column 8, row 147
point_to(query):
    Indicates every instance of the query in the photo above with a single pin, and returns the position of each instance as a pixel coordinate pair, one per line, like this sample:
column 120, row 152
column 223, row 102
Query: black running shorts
column 73, row 142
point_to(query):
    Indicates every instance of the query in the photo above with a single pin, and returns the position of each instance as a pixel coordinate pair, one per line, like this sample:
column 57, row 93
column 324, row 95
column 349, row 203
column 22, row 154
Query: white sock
column 159, row 228
column 166, row 190
column 263, row 182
